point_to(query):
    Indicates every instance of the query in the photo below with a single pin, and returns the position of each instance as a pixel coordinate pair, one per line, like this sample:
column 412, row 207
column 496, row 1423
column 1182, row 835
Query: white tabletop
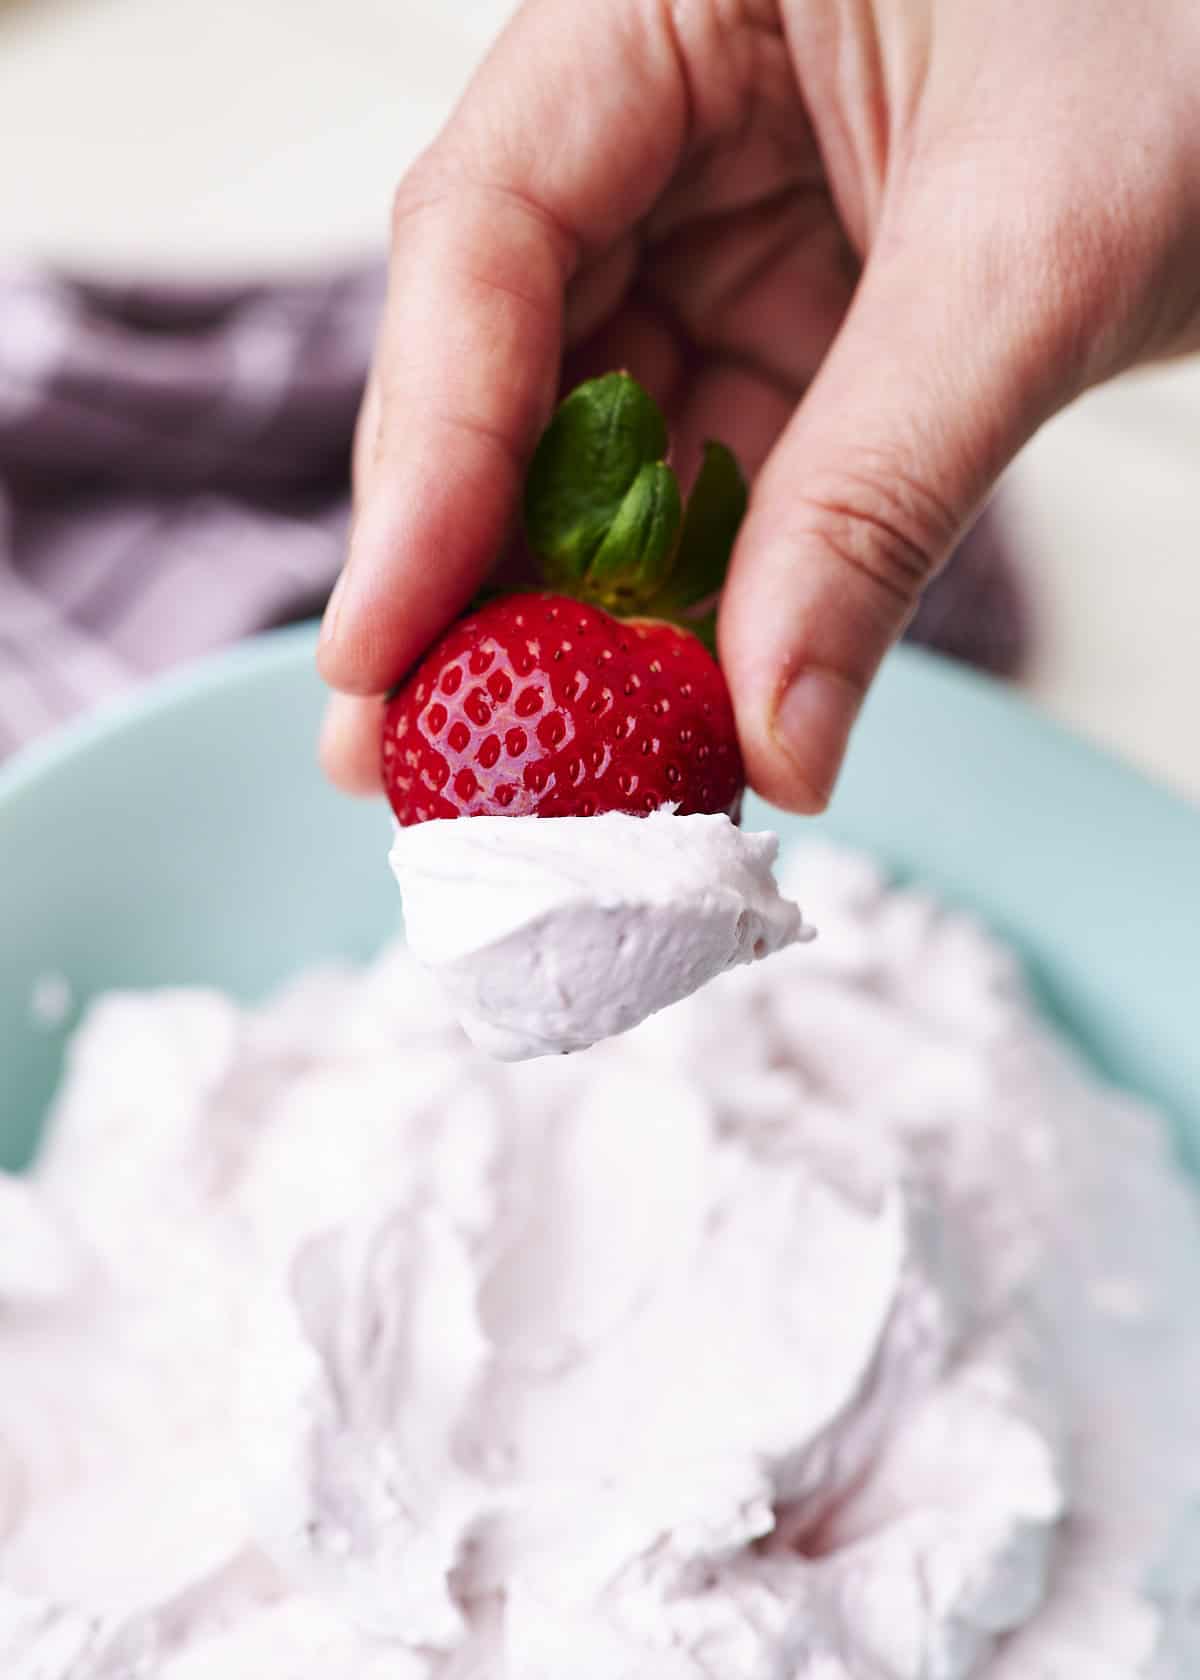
column 212, row 135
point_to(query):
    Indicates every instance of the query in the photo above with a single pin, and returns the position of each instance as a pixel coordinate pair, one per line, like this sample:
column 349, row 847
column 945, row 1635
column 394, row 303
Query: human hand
column 870, row 244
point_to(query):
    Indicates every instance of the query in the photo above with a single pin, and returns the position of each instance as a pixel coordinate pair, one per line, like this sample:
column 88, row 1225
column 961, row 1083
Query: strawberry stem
column 604, row 513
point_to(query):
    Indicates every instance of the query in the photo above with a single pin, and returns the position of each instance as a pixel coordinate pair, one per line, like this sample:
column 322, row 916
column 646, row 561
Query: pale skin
column 870, row 244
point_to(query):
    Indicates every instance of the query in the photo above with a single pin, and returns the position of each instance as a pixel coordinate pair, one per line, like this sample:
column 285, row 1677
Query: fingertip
column 351, row 659
column 348, row 746
column 810, row 727
column 361, row 649
column 798, row 658
column 355, row 651
column 775, row 780
column 787, row 763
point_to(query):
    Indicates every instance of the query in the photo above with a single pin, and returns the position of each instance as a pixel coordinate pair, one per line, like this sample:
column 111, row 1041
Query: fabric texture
column 174, row 475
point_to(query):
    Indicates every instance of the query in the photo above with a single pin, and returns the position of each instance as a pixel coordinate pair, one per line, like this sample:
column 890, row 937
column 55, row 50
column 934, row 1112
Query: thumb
column 928, row 391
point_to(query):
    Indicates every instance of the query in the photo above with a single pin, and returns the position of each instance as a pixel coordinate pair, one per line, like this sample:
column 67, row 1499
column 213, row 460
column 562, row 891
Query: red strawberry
column 537, row 705
column 600, row 695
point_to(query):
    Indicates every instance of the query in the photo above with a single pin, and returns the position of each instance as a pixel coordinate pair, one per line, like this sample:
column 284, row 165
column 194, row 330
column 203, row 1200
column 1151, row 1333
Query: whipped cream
column 832, row 1323
column 550, row 934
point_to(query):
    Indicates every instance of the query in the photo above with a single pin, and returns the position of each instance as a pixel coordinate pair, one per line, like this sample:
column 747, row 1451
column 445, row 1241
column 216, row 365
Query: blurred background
column 193, row 204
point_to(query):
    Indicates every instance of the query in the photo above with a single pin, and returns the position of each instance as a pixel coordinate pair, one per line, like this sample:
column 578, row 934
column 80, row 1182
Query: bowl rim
column 269, row 650
column 157, row 694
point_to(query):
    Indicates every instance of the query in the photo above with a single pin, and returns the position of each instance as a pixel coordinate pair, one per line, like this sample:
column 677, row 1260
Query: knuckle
column 422, row 187
column 883, row 523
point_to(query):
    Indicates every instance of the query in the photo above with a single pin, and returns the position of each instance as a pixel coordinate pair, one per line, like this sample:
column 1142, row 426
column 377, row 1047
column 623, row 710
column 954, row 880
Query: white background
column 218, row 135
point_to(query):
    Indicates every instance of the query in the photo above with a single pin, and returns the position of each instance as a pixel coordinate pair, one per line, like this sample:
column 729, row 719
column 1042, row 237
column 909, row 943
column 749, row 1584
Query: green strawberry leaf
column 600, row 438
column 634, row 561
column 714, row 514
column 603, row 510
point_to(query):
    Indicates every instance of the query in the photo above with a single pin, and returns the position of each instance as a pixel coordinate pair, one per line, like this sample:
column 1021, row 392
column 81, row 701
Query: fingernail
column 333, row 607
column 812, row 724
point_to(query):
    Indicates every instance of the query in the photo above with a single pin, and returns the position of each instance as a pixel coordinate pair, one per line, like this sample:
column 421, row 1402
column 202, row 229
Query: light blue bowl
column 186, row 836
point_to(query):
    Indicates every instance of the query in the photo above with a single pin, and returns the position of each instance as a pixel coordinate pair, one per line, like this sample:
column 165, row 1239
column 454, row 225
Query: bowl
column 185, row 836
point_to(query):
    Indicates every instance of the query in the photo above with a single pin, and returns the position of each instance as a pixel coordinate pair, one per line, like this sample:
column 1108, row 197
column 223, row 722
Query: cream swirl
column 549, row 934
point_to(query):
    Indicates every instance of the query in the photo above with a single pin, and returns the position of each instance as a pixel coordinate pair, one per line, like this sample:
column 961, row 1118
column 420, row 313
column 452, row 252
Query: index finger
column 564, row 139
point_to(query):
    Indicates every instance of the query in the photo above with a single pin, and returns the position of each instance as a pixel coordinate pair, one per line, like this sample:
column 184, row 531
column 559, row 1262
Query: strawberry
column 537, row 705
column 601, row 692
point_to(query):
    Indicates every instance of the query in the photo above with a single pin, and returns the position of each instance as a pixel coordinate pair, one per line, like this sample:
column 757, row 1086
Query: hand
column 872, row 246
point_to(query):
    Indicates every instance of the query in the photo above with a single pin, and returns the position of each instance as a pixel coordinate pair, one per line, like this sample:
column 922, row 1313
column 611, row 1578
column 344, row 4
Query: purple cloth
column 174, row 466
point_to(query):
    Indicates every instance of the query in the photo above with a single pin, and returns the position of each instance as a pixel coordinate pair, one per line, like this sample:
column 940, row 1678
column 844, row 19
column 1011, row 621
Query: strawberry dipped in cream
column 587, row 732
